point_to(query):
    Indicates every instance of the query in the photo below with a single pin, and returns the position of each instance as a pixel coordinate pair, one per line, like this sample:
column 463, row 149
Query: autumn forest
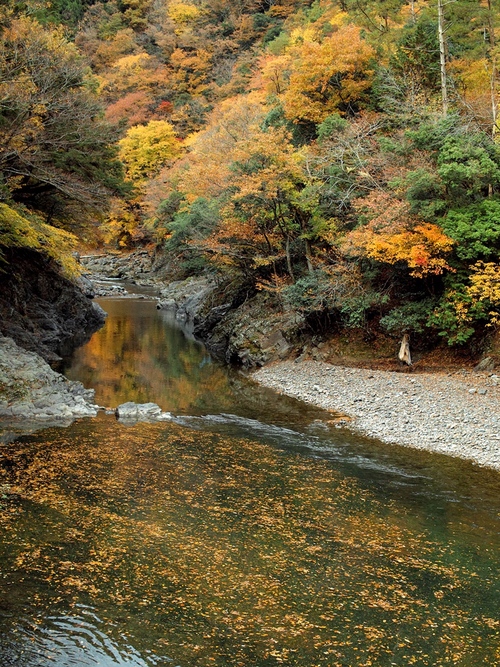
column 341, row 156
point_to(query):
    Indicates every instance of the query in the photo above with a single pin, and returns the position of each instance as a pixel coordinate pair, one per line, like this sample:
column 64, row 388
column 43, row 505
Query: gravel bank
column 456, row 414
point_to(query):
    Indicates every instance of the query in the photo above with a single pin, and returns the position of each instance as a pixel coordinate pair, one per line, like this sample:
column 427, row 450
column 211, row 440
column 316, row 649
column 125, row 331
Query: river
column 248, row 531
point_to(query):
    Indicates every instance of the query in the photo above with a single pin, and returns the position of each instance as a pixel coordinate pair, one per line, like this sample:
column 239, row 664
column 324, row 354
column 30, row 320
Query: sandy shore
column 456, row 414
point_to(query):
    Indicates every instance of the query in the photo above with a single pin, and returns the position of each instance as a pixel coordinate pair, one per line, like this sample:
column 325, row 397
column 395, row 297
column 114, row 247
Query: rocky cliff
column 41, row 310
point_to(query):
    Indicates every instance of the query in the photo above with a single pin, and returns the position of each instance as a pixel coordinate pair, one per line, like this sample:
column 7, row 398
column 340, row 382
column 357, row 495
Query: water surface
column 248, row 531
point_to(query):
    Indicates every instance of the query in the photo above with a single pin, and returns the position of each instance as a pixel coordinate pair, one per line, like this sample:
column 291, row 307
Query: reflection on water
column 139, row 357
column 244, row 534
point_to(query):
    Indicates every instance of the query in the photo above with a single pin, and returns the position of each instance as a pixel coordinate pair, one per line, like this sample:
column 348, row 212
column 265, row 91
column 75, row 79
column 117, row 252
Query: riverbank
column 456, row 413
column 31, row 393
column 42, row 310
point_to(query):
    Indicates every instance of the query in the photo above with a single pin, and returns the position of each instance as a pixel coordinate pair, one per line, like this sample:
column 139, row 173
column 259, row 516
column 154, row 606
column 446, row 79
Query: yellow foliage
column 327, row 76
column 183, row 13
column 147, row 148
column 132, row 63
column 28, row 231
column 485, row 286
column 303, row 34
column 132, row 73
column 121, row 225
column 190, row 71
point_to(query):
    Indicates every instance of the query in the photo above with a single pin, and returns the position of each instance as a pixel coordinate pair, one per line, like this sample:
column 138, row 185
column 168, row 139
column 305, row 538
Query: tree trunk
column 310, row 266
column 412, row 11
column 289, row 258
column 442, row 57
column 404, row 351
column 494, row 71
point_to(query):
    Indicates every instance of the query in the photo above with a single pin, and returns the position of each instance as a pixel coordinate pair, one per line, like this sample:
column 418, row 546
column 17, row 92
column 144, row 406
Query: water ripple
column 72, row 641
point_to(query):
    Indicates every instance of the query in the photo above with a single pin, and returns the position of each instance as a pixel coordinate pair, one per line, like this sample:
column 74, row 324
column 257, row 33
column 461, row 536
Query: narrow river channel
column 248, row 531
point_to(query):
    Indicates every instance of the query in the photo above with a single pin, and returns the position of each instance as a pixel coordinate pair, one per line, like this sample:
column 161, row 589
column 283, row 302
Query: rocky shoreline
column 34, row 396
column 31, row 393
column 457, row 414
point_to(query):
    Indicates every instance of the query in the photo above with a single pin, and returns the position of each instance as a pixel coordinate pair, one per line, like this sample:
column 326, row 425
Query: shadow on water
column 247, row 531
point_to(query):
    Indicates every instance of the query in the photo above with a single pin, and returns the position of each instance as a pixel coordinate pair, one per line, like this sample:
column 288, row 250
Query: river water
column 249, row 530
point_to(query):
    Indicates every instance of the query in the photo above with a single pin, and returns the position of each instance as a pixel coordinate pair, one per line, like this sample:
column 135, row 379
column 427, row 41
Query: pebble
column 438, row 412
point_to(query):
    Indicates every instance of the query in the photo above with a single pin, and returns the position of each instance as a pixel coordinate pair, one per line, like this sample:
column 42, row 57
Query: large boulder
column 31, row 390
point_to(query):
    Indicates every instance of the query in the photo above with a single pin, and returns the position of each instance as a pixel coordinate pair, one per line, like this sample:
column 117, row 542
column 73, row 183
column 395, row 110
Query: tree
column 206, row 172
column 442, row 57
column 55, row 147
column 392, row 235
column 145, row 149
column 272, row 205
column 330, row 76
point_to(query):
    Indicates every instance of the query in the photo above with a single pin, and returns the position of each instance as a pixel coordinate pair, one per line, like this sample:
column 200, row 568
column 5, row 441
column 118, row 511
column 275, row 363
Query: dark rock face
column 237, row 325
column 41, row 310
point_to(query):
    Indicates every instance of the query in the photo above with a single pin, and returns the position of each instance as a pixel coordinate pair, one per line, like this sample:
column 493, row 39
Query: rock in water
column 140, row 412
column 31, row 390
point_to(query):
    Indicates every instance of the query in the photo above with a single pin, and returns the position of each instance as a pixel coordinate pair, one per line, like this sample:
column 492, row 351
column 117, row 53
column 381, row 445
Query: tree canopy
column 290, row 143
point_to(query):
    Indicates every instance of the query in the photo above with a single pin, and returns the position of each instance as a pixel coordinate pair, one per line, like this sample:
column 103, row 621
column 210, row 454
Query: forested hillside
column 341, row 156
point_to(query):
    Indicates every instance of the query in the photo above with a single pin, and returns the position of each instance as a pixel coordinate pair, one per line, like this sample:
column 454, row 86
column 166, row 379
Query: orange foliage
column 394, row 235
column 275, row 73
column 190, row 71
column 328, row 76
column 134, row 108
column 475, row 79
column 207, row 170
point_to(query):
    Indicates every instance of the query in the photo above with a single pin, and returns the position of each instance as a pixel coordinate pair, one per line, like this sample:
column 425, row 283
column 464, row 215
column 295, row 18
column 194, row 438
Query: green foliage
column 169, row 207
column 309, row 294
column 462, row 172
column 355, row 309
column 188, row 226
column 279, row 43
column 410, row 317
column 68, row 12
column 260, row 21
column 458, row 316
column 338, row 291
column 468, row 165
column 193, row 223
column 417, row 54
column 332, row 124
column 426, row 193
column 476, row 228
column 432, row 136
column 448, row 320
column 272, row 35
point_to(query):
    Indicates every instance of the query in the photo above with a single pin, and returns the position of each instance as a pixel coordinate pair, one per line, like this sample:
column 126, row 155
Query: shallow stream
column 249, row 531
